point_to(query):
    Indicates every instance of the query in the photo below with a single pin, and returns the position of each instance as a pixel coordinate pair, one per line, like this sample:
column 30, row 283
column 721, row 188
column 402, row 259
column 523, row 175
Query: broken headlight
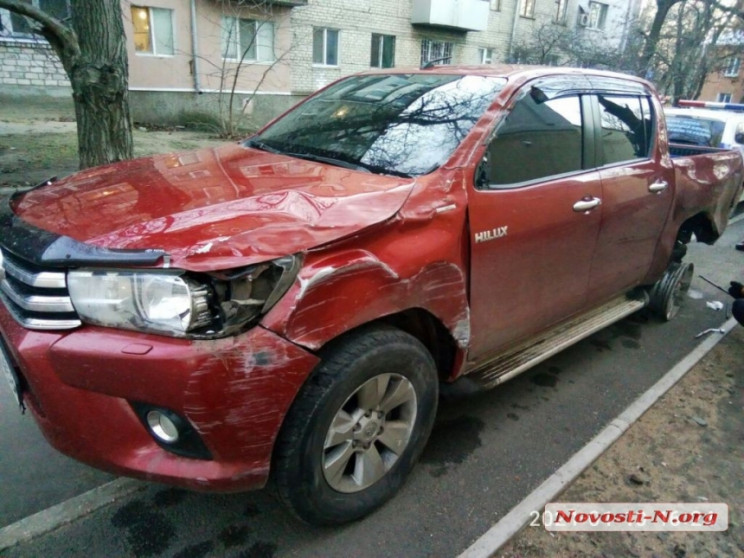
column 177, row 303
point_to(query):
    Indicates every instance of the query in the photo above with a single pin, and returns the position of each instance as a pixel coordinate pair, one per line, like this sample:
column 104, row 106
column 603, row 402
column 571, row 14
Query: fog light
column 162, row 427
column 171, row 431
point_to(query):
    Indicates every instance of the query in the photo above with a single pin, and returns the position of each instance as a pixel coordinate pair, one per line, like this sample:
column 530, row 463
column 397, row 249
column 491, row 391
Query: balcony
column 458, row 15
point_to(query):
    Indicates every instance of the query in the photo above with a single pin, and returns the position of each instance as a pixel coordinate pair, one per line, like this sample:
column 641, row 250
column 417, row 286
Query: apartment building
column 726, row 84
column 270, row 53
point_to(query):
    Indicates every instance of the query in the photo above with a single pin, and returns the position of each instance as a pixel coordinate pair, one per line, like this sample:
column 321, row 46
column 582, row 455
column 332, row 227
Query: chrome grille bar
column 37, row 299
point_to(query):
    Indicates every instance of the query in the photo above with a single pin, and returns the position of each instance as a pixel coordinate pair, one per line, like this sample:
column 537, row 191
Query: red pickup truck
column 291, row 306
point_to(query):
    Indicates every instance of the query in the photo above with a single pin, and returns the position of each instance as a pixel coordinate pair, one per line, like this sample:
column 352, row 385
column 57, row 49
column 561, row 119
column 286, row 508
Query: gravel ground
column 688, row 448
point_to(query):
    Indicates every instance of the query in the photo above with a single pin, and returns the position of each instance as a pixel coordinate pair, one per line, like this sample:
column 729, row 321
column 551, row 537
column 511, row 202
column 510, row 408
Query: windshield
column 694, row 130
column 397, row 124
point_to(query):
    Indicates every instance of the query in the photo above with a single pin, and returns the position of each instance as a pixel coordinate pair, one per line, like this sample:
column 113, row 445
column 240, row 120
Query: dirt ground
column 39, row 140
column 688, row 448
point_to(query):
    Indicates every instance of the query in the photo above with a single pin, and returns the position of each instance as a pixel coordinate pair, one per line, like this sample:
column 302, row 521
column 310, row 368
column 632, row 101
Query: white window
column 732, row 66
column 382, row 54
column 495, row 5
column 527, row 8
column 247, row 40
column 485, row 55
column 18, row 26
column 597, row 15
column 439, row 51
column 325, row 46
column 153, row 30
column 724, row 98
column 560, row 11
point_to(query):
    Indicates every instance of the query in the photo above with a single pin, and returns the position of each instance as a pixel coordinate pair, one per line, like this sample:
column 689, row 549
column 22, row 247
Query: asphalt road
column 486, row 453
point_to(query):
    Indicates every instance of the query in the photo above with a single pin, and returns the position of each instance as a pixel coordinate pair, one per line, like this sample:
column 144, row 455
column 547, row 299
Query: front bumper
column 235, row 392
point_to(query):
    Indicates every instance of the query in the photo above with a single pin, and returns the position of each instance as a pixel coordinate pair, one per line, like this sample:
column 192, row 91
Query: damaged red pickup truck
column 291, row 306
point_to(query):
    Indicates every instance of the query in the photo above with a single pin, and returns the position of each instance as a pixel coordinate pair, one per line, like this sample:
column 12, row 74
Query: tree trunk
column 99, row 78
column 652, row 39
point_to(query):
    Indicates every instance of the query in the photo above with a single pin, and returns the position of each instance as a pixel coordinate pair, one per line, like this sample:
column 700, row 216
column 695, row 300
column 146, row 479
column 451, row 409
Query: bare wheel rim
column 369, row 433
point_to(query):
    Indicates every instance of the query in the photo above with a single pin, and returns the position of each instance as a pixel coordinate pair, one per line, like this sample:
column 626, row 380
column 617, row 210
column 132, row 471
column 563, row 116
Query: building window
column 247, row 39
column 439, row 51
column 527, row 8
column 485, row 55
column 732, row 66
column 495, row 5
column 560, row 11
column 325, row 46
column 724, row 98
column 382, row 54
column 18, row 26
column 153, row 30
column 597, row 15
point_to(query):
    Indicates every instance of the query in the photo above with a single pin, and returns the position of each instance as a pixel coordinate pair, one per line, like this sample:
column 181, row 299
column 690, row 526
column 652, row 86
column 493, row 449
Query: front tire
column 357, row 426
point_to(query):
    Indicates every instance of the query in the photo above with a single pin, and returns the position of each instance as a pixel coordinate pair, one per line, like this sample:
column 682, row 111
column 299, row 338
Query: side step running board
column 508, row 364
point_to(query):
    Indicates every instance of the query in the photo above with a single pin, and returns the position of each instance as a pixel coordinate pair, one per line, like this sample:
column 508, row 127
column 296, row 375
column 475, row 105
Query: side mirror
column 739, row 137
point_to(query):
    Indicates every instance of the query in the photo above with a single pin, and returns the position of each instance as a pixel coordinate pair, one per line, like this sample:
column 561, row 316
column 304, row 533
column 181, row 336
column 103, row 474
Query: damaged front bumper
column 87, row 389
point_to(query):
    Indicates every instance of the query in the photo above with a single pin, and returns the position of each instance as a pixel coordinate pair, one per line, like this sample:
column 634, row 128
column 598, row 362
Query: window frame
column 723, row 97
column 485, row 55
column 592, row 146
column 325, row 63
column 6, row 18
column 601, row 18
column 527, row 9
column 381, row 50
column 733, row 66
column 152, row 31
column 561, row 12
column 257, row 25
column 448, row 48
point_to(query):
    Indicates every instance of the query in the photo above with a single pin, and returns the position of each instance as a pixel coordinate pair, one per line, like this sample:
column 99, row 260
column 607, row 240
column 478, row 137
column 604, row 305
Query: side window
column 626, row 129
column 536, row 140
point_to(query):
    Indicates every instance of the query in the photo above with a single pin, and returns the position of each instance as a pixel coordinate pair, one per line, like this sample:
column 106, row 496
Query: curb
column 519, row 515
column 68, row 511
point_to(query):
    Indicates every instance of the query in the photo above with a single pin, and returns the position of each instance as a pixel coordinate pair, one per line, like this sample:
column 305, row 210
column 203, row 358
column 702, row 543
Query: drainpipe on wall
column 194, row 48
column 513, row 33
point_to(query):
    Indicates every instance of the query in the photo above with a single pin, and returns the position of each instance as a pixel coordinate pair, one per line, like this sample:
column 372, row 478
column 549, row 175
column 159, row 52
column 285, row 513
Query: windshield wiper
column 335, row 161
column 263, row 146
column 329, row 160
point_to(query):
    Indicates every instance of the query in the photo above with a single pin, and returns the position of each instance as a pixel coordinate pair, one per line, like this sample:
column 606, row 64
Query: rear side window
column 694, row 131
column 537, row 140
column 626, row 128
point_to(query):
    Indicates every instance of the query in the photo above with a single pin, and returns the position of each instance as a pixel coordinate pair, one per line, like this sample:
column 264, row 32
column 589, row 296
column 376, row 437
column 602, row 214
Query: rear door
column 637, row 193
column 534, row 217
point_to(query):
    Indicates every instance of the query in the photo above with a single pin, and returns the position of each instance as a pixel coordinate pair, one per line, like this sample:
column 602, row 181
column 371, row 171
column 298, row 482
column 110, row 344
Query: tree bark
column 99, row 79
column 93, row 53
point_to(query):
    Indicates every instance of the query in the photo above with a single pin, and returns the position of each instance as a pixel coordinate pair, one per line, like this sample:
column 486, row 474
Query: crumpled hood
column 214, row 208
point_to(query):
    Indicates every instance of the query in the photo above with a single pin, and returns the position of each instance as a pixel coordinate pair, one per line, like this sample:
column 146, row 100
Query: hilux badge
column 492, row 234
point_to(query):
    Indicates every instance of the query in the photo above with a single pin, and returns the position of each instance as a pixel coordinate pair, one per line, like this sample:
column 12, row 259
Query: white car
column 707, row 124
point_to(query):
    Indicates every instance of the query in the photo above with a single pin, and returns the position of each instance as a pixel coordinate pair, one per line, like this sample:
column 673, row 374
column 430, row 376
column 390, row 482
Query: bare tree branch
column 62, row 38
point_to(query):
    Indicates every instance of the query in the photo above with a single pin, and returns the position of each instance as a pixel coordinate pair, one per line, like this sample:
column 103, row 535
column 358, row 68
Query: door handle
column 658, row 187
column 586, row 204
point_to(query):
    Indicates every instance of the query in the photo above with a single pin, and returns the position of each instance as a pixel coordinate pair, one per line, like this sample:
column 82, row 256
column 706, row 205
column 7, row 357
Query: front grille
column 37, row 298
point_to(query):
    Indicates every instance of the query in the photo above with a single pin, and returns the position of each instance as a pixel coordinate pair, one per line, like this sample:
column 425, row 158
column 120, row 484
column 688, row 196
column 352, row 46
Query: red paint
column 373, row 246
